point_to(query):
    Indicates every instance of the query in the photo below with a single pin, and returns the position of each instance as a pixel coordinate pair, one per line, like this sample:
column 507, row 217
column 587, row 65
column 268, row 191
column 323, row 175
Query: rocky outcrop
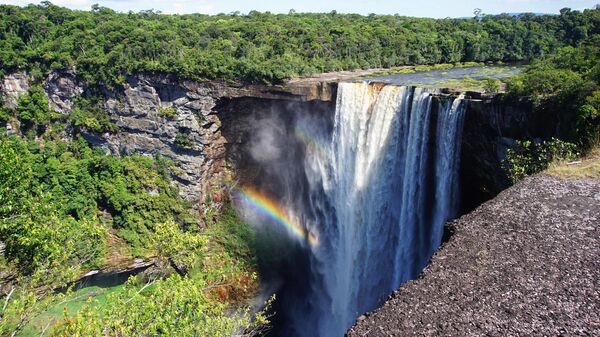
column 12, row 86
column 61, row 89
column 523, row 264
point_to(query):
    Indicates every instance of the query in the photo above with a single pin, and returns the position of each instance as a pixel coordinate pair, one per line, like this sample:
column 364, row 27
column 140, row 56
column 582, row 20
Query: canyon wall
column 138, row 108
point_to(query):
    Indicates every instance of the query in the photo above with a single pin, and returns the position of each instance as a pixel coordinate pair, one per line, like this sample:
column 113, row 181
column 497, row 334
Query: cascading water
column 380, row 187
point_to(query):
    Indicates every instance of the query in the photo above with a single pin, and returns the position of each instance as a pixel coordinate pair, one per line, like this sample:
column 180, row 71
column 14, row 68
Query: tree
column 492, row 85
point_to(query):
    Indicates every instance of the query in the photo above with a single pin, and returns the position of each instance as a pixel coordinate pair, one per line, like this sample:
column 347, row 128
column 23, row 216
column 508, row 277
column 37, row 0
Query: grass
column 168, row 112
column 424, row 68
column 586, row 167
column 71, row 305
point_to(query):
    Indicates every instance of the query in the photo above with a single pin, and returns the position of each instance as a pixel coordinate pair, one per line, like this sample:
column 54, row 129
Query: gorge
column 337, row 169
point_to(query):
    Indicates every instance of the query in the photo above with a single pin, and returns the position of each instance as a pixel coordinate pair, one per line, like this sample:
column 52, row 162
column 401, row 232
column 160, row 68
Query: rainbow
column 313, row 144
column 273, row 211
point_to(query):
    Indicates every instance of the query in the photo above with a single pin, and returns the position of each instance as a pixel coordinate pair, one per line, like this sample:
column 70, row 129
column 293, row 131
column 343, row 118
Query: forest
column 105, row 46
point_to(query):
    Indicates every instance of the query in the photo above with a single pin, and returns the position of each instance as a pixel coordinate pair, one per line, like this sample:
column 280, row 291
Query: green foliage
column 467, row 83
column 175, row 306
column 588, row 121
column 492, row 85
column 88, row 114
column 566, row 84
column 106, row 46
column 50, row 198
column 5, row 115
column 218, row 264
column 138, row 197
column 183, row 140
column 38, row 230
column 182, row 249
column 198, row 303
column 76, row 182
column 58, row 202
column 527, row 157
column 47, row 241
column 45, row 247
column 24, row 303
column 236, row 238
column 69, row 304
column 168, row 112
column 33, row 111
column 33, row 106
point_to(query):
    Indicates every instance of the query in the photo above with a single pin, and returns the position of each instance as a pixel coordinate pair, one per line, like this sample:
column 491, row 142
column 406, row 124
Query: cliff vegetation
column 67, row 208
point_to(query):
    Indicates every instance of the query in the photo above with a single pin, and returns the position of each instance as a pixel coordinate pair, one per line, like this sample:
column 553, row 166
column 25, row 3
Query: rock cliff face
column 491, row 127
column 138, row 109
column 13, row 85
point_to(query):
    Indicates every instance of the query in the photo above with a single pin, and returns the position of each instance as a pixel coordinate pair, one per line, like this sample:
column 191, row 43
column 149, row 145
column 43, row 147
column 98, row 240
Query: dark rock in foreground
column 526, row 263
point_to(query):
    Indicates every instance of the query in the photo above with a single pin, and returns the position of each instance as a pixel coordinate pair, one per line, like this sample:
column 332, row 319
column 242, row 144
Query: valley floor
column 526, row 263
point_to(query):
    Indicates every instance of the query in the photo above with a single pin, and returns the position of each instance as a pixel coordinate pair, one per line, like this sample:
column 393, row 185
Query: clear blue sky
column 430, row 8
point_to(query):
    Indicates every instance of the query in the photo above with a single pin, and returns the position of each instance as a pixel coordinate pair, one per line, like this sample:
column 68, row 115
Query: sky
column 430, row 8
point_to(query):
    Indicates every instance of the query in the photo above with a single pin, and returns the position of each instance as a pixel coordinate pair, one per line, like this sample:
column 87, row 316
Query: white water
column 387, row 188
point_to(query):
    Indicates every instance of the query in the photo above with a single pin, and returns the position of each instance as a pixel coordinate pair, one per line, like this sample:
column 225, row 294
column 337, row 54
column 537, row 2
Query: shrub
column 210, row 300
column 88, row 114
column 168, row 112
column 5, row 115
column 183, row 140
column 492, row 85
column 33, row 110
column 588, row 121
column 527, row 157
column 135, row 190
column 566, row 85
column 175, row 306
column 181, row 249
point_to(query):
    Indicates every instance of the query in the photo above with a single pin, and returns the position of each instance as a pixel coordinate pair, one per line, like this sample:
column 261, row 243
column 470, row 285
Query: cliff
column 492, row 125
column 137, row 108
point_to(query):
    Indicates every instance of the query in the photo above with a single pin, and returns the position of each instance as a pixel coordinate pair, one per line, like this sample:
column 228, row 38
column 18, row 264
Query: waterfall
column 366, row 210
column 389, row 184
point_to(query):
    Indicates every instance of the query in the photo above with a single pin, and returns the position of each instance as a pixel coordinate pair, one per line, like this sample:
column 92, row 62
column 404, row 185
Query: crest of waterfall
column 384, row 192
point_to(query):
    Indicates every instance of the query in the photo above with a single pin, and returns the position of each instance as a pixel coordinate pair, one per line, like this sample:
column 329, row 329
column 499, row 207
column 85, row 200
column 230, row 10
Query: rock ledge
column 526, row 263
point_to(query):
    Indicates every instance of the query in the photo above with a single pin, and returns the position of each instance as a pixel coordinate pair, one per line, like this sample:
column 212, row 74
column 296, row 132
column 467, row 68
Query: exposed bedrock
column 491, row 127
column 523, row 264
